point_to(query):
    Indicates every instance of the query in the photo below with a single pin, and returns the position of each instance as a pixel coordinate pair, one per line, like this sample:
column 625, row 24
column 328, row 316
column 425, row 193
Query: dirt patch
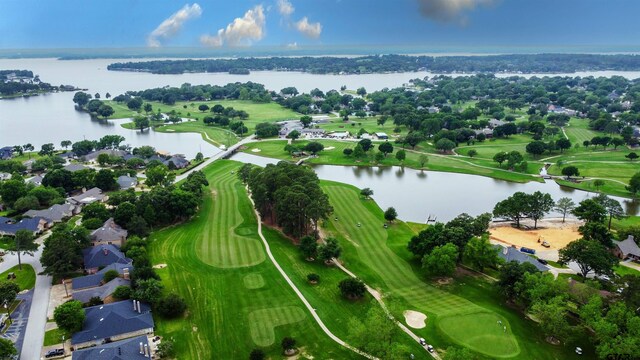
column 415, row 319
column 553, row 231
column 160, row 266
column 444, row 281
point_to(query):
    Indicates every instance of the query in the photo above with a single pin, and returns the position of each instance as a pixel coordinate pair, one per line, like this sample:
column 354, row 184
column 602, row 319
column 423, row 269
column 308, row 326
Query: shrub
column 171, row 306
column 122, row 292
column 110, row 275
column 313, row 277
column 352, row 288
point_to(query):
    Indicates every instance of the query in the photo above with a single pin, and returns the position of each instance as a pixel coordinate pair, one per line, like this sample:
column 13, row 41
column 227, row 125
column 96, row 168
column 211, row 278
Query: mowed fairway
column 236, row 300
column 395, row 277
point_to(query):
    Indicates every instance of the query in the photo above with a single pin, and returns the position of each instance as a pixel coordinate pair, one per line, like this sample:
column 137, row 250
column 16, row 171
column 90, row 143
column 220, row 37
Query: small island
column 17, row 83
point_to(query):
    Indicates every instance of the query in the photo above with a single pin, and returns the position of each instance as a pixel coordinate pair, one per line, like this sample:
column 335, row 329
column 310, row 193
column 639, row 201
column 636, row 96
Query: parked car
column 54, row 352
column 542, row 261
column 423, row 342
column 527, row 250
column 430, row 348
column 546, row 244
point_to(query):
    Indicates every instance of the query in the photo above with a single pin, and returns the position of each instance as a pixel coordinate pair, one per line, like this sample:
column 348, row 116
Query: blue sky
column 462, row 23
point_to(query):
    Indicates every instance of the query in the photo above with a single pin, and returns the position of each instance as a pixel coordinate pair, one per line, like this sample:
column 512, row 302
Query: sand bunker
column 170, row 130
column 329, row 148
column 415, row 319
column 160, row 266
column 556, row 233
column 255, row 150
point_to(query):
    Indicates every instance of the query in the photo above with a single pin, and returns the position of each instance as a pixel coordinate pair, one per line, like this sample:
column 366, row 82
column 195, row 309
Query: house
column 94, row 280
column 75, row 167
column 178, row 160
column 136, row 348
column 382, row 136
column 6, row 152
column 36, row 180
column 112, row 322
column 494, row 123
column 103, row 292
column 340, row 135
column 100, row 256
column 126, row 182
column 488, row 132
column 88, row 197
column 433, row 109
column 93, row 156
column 5, row 176
column 109, row 233
column 510, row 253
column 67, row 155
column 55, row 213
column 9, row 228
column 627, row 249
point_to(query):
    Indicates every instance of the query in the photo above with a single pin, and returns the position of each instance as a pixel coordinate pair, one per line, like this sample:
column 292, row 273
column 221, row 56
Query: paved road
column 19, row 319
column 34, row 334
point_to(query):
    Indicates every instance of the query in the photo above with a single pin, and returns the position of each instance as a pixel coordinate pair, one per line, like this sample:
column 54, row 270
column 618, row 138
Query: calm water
column 418, row 194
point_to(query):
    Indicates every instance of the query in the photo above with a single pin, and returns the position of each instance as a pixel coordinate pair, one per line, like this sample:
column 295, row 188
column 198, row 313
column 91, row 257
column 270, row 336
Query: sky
column 296, row 23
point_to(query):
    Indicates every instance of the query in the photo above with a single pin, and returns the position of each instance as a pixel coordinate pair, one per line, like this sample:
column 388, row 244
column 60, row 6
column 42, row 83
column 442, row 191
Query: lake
column 416, row 195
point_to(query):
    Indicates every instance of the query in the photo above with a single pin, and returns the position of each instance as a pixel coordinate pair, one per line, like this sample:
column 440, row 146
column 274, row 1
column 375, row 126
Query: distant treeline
column 20, row 82
column 19, row 73
column 524, row 63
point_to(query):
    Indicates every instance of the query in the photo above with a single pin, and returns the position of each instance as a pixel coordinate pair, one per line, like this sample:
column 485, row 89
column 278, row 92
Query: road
column 34, row 336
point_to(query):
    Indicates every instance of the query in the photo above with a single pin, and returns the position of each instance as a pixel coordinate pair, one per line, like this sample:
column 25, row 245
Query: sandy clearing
column 556, row 233
column 415, row 319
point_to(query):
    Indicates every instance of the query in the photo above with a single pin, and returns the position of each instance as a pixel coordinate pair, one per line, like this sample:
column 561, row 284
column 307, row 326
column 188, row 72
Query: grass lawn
column 369, row 124
column 54, row 336
column 622, row 270
column 25, row 278
column 578, row 131
column 465, row 313
column 236, row 298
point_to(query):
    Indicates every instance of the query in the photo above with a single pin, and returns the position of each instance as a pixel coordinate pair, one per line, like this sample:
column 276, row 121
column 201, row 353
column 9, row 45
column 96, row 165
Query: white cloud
column 285, row 8
column 242, row 31
column 311, row 30
column 173, row 24
column 449, row 10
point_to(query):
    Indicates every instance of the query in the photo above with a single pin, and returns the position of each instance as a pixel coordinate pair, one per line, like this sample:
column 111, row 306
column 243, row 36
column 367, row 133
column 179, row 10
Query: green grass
column 225, row 319
column 369, row 124
column 578, row 131
column 465, row 313
column 25, row 278
column 622, row 270
column 54, row 336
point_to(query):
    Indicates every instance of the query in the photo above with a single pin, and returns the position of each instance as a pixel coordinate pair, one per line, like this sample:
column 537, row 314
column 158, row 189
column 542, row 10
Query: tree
column 24, row 243
column 366, row 193
column 294, row 135
column 536, row 148
column 330, row 250
column 105, row 111
column 564, row 206
column 65, row 143
column 632, row 156
column 563, row 144
column 612, row 206
column 47, row 149
column 141, row 122
column 598, row 183
column 8, row 292
column 306, row 120
column 7, row 349
column 309, row 247
column 313, row 278
column 590, row 210
column 590, row 256
column 552, row 316
column 376, row 334
column 69, row 316
column 352, row 288
column 512, row 274
column 570, row 171
column 96, row 210
column 386, row 148
column 26, row 203
column 445, row 145
column 471, row 153
column 61, row 255
column 347, row 151
column 390, row 214
column 366, row 144
column 203, row 107
column 441, row 261
column 500, row 157
column 401, row 155
column 110, row 275
column 257, row 354
column 159, row 175
column 512, row 208
column 358, row 151
column 423, row 160
column 147, row 108
column 617, row 142
column 480, row 253
column 148, row 290
column 634, row 184
column 105, row 180
column 598, row 232
column 314, row 147
column 288, row 344
column 171, row 306
column 539, row 204
column 81, row 98
column 361, row 91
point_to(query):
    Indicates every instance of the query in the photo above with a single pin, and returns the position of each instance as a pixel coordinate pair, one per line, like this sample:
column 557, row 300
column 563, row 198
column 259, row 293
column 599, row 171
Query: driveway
column 19, row 319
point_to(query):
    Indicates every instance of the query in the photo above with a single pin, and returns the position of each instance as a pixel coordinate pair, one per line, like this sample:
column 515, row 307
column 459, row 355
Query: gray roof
column 177, row 160
column 126, row 182
column 94, row 280
column 512, row 254
column 628, row 246
column 103, row 321
column 103, row 255
column 102, row 292
column 31, row 224
column 109, row 231
column 55, row 213
column 75, row 167
column 87, row 197
column 36, row 180
column 496, row 122
column 94, row 155
column 119, row 350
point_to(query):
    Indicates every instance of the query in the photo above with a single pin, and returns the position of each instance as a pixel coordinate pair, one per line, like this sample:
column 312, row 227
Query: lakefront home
column 627, row 249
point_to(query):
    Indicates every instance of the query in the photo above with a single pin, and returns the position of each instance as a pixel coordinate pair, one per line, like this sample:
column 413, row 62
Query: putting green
column 481, row 332
column 253, row 281
column 263, row 322
column 225, row 241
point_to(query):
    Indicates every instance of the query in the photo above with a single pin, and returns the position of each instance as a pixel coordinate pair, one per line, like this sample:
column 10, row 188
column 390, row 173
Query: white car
column 423, row 342
column 430, row 348
column 579, row 350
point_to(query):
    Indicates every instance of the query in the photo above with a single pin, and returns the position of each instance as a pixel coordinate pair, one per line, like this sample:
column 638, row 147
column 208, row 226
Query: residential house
column 36, row 180
column 627, row 249
column 433, row 109
column 6, row 152
column 93, row 156
column 488, row 132
column 67, row 155
column 75, row 167
column 94, row 280
column 109, row 233
column 97, row 257
column 494, row 123
column 56, row 213
column 382, row 136
column 8, row 227
column 103, row 292
column 136, row 348
column 510, row 253
column 179, row 161
column 88, row 197
column 127, row 182
column 112, row 322
column 5, row 176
